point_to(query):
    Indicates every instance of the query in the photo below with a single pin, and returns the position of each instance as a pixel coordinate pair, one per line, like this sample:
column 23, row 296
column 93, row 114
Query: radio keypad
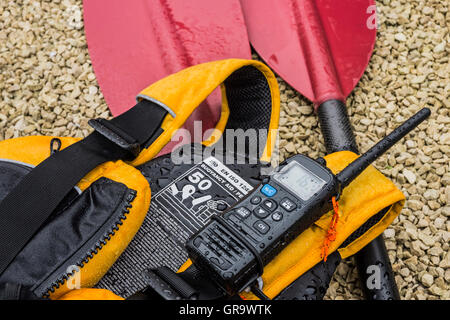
column 263, row 210
column 266, row 208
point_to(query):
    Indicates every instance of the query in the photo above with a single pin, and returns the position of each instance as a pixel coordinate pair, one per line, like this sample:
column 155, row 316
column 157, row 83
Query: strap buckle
column 117, row 136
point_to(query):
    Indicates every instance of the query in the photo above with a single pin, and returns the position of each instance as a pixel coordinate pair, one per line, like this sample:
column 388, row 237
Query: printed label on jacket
column 189, row 202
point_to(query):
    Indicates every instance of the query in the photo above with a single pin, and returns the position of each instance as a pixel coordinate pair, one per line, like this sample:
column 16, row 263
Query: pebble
column 306, row 110
column 426, row 239
column 400, row 37
column 405, row 272
column 389, row 233
column 439, row 222
column 409, row 175
column 445, row 263
column 431, row 194
column 427, row 279
column 290, row 147
column 440, row 47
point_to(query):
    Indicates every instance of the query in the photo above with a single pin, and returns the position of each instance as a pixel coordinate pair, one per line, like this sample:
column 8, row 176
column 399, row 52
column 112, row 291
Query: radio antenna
column 359, row 165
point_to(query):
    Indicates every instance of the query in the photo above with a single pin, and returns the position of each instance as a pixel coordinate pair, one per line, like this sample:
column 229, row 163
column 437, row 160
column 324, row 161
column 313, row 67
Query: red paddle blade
column 135, row 43
column 320, row 47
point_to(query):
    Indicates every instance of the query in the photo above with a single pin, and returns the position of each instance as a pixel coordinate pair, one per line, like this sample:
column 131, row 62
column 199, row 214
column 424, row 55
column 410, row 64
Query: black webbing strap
column 26, row 208
column 191, row 284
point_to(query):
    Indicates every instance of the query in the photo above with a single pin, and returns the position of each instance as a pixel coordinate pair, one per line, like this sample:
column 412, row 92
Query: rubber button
column 243, row 212
column 288, row 204
column 261, row 227
column 269, row 205
column 268, row 190
column 261, row 213
column 277, row 216
column 255, row 200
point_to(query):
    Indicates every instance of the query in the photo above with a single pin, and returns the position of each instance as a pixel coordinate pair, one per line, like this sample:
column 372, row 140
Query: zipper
column 91, row 248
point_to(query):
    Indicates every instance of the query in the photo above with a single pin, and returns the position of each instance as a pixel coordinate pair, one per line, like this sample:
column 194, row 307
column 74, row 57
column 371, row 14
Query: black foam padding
column 48, row 183
column 249, row 99
column 373, row 220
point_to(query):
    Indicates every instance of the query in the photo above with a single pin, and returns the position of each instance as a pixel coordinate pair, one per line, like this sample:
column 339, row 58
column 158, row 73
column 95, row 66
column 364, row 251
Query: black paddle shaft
column 338, row 135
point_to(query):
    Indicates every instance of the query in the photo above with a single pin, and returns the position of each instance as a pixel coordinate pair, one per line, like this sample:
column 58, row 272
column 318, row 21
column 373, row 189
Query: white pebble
column 400, row 37
column 409, row 175
column 427, row 279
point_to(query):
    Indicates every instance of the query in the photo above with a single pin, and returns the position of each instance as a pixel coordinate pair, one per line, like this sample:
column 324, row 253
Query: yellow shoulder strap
column 183, row 92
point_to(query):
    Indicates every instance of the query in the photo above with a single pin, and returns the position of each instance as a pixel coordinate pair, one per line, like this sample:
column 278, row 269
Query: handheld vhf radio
column 234, row 247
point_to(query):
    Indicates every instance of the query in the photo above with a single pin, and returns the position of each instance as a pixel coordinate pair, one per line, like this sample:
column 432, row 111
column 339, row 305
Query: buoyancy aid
column 129, row 213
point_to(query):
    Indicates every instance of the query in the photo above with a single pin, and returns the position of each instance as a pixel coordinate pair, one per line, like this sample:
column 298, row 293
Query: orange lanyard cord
column 331, row 232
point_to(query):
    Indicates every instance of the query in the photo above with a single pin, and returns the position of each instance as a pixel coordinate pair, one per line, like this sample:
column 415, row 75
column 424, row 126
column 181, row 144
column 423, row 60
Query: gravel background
column 48, row 87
